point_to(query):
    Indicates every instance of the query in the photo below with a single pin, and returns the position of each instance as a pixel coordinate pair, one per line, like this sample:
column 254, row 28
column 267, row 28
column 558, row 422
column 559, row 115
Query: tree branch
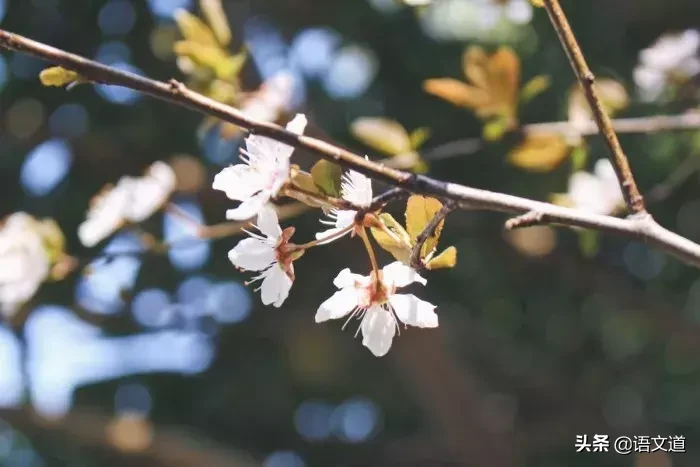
column 634, row 199
column 640, row 226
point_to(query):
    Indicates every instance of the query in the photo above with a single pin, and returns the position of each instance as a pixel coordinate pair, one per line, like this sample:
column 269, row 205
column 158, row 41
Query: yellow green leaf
column 327, row 177
column 420, row 210
column 232, row 66
column 537, row 3
column 495, row 128
column 381, row 134
column 214, row 13
column 204, row 55
column 393, row 238
column 305, row 182
column 539, row 152
column 59, row 76
column 193, row 29
column 446, row 259
column 534, row 88
column 52, row 237
column 579, row 158
column 418, row 137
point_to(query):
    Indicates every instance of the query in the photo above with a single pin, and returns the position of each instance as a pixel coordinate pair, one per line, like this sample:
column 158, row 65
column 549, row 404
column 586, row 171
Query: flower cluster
column 672, row 59
column 265, row 175
column 133, row 199
column 28, row 248
column 598, row 192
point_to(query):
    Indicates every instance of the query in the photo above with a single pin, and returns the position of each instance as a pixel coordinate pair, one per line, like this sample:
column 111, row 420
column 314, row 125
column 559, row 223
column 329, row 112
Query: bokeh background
column 169, row 360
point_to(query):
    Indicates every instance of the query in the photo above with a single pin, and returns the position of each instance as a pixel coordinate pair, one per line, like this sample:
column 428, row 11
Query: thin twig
column 684, row 171
column 416, row 256
column 383, row 199
column 686, row 121
column 528, row 219
column 634, row 199
column 653, row 124
column 641, row 226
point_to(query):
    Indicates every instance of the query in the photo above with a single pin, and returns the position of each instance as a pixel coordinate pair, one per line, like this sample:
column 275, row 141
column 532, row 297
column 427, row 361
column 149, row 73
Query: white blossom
column 268, row 253
column 356, row 189
column 375, row 301
column 598, row 192
column 133, row 199
column 24, row 262
column 273, row 97
column 264, row 172
column 672, row 58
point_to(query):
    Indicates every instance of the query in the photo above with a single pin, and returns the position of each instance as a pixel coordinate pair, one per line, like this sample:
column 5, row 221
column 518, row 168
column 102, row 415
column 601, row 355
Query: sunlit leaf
column 381, row 134
column 214, row 13
column 420, row 210
column 492, row 83
column 539, row 152
column 537, row 3
column 446, row 259
column 418, row 137
column 534, row 88
column 457, row 92
column 504, row 80
column 59, row 76
column 394, row 239
column 193, row 29
column 327, row 177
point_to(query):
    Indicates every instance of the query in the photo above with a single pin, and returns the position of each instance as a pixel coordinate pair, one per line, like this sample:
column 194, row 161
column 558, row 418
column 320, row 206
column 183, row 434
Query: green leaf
column 579, row 158
column 327, row 177
column 534, row 88
column 589, row 242
column 418, row 137
column 446, row 259
column 495, row 128
column 232, row 66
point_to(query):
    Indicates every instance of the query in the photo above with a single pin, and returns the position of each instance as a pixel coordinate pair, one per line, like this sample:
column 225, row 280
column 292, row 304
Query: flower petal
column 275, row 286
column 249, row 207
column 239, row 182
column 346, row 279
column 338, row 305
column 297, row 124
column 378, row 329
column 357, row 188
column 268, row 222
column 400, row 275
column 413, row 311
column 252, row 254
